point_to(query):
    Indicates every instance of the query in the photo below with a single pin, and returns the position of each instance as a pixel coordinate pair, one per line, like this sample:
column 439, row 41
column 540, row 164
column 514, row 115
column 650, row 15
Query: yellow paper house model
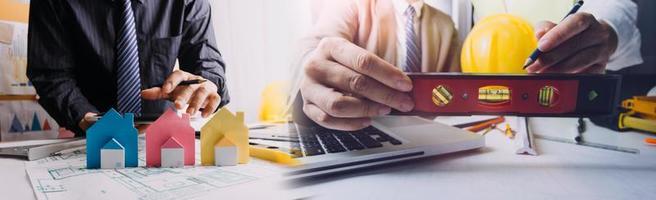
column 224, row 125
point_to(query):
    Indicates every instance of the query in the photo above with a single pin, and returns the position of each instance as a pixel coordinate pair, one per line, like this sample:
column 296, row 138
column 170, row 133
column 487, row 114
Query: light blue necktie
column 127, row 63
column 413, row 51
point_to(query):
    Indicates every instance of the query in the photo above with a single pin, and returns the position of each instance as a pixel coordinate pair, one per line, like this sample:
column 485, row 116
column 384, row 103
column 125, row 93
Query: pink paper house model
column 170, row 132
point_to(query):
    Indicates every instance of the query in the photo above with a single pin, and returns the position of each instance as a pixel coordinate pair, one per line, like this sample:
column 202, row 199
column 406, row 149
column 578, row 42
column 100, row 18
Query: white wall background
column 258, row 40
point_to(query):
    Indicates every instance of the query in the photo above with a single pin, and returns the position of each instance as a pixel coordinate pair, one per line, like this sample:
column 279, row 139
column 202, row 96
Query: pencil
column 470, row 124
column 187, row 82
column 536, row 54
column 487, row 124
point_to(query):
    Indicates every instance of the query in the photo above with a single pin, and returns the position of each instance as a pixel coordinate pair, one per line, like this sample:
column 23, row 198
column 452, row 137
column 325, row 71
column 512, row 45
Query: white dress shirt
column 622, row 15
column 400, row 6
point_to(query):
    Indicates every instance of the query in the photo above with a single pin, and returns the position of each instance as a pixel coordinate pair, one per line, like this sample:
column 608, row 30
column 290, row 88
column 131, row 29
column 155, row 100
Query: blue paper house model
column 112, row 126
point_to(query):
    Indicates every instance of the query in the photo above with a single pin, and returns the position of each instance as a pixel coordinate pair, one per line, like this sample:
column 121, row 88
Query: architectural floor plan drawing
column 66, row 177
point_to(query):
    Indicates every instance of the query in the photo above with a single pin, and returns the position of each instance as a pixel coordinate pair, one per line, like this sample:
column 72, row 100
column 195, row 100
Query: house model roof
column 171, row 143
column 225, row 117
column 225, row 142
column 114, row 118
column 112, row 144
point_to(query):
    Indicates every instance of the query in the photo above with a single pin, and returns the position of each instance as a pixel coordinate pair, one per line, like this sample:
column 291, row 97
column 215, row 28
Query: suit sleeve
column 199, row 53
column 51, row 65
column 454, row 53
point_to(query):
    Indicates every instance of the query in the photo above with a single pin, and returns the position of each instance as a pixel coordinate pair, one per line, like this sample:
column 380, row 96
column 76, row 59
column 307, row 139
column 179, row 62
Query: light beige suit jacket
column 371, row 24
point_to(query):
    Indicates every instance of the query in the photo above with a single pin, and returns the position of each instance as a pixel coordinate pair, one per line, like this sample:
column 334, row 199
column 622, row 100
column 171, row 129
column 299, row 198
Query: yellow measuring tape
column 645, row 105
column 641, row 114
column 628, row 121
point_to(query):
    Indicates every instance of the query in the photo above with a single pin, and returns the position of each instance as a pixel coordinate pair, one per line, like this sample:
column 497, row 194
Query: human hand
column 203, row 95
column 579, row 44
column 346, row 85
column 87, row 121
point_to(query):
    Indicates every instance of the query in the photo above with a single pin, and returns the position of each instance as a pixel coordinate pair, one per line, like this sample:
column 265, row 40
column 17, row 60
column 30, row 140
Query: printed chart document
column 65, row 177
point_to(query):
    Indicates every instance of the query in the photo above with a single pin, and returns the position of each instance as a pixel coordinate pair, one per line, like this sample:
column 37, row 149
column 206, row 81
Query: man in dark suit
column 85, row 57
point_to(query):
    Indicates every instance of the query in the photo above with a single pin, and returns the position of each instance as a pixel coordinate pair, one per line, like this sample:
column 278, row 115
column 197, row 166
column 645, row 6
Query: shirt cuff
column 77, row 113
column 220, row 82
column 627, row 52
column 621, row 15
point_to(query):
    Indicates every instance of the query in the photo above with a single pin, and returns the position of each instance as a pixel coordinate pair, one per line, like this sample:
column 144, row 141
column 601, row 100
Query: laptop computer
column 389, row 139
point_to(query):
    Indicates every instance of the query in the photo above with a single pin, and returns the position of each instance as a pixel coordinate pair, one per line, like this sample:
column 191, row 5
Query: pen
column 536, row 54
column 188, row 82
column 580, row 129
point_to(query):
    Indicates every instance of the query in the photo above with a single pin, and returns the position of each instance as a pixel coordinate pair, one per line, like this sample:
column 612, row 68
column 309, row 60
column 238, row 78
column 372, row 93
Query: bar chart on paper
column 13, row 48
column 13, row 59
column 22, row 120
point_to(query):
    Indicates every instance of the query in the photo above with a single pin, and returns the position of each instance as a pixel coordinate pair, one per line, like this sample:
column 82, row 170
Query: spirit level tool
column 549, row 95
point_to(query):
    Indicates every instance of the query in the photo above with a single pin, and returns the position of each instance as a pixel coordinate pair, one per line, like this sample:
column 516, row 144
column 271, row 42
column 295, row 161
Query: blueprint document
column 65, row 177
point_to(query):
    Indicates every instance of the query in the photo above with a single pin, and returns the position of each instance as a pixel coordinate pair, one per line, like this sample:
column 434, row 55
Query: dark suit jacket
column 71, row 52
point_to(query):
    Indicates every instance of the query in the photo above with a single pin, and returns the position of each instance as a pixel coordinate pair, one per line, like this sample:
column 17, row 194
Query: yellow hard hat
column 274, row 103
column 498, row 44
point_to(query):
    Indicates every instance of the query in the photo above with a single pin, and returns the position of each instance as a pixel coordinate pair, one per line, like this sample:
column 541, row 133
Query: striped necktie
column 127, row 63
column 413, row 51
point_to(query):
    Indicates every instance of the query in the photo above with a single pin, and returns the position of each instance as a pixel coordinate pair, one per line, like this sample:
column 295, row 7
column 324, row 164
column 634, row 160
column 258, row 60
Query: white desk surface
column 561, row 171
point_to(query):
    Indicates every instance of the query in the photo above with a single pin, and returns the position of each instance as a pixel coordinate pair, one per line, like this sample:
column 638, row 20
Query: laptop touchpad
column 401, row 121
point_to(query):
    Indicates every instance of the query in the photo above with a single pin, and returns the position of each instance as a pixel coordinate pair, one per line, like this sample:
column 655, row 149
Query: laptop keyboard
column 318, row 141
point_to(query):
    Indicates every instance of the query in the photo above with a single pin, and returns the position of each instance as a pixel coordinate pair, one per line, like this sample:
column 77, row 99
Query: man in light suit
column 356, row 55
